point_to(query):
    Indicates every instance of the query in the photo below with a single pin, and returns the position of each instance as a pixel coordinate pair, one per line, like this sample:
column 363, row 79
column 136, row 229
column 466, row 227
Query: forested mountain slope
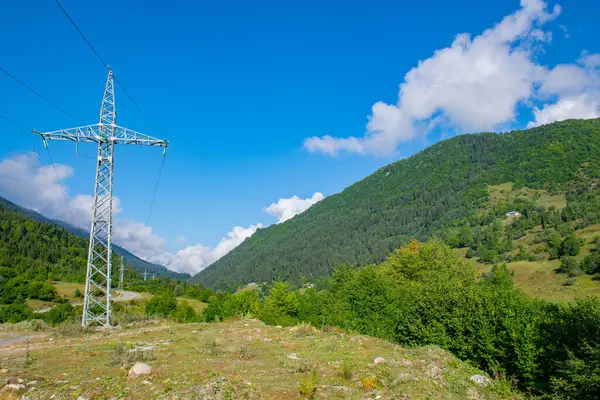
column 413, row 198
column 130, row 259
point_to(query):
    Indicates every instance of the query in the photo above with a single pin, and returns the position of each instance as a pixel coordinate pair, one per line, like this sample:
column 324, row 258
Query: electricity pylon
column 121, row 270
column 106, row 134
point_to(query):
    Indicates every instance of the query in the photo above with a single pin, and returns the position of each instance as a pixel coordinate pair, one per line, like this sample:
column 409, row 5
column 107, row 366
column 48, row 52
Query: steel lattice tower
column 121, row 273
column 106, row 134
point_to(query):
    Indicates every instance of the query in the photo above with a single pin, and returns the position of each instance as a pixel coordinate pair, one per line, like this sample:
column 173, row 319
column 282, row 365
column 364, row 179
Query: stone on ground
column 480, row 380
column 140, row 369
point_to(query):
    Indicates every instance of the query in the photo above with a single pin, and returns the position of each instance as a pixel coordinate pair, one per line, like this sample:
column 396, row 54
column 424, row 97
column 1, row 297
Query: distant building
column 513, row 214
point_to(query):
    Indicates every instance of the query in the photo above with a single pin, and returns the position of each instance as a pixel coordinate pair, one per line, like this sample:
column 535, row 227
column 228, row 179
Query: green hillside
column 130, row 259
column 442, row 187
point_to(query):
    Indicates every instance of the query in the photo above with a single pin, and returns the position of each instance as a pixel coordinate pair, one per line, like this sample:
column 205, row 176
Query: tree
column 162, row 305
column 570, row 266
column 570, row 246
column 77, row 293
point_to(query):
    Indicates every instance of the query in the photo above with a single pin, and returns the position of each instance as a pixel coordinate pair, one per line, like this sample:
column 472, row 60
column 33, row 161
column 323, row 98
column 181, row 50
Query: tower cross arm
column 99, row 133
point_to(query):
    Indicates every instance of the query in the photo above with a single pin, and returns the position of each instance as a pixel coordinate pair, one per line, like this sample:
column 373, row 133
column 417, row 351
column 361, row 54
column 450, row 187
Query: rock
column 147, row 383
column 480, row 380
column 82, row 398
column 3, row 371
column 32, row 383
column 140, row 369
column 379, row 360
column 293, row 356
column 14, row 386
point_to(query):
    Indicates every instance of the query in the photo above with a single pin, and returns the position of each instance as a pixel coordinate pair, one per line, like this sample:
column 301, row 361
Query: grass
column 211, row 361
column 37, row 305
column 67, row 289
column 197, row 305
column 506, row 192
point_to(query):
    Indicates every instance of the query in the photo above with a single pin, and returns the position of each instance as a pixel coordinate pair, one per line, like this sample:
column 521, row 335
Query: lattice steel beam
column 106, row 134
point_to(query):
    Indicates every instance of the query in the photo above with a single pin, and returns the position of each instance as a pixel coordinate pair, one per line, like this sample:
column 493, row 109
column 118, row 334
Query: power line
column 14, row 122
column 39, row 95
column 81, row 34
column 105, row 65
column 60, row 184
column 156, row 190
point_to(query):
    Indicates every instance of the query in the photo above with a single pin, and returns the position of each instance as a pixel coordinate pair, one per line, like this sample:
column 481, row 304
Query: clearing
column 238, row 359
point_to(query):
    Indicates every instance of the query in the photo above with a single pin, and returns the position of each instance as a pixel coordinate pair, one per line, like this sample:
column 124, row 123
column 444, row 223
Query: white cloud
column 285, row 209
column 477, row 83
column 581, row 106
column 193, row 259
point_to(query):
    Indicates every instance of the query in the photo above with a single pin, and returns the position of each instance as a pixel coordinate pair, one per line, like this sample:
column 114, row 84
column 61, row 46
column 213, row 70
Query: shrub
column 347, row 371
column 77, row 293
column 568, row 264
column 308, row 386
column 184, row 313
column 591, row 263
column 59, row 314
column 14, row 313
column 570, row 246
column 162, row 305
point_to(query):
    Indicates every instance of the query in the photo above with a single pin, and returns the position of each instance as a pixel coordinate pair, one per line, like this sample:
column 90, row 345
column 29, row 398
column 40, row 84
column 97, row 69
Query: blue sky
column 238, row 87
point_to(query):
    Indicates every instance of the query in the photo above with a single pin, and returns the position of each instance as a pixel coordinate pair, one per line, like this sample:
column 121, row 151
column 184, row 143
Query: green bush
column 14, row 313
column 59, row 314
column 184, row 313
column 162, row 305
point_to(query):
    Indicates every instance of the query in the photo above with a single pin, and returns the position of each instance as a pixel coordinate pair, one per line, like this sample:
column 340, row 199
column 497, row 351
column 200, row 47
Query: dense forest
column 424, row 195
column 130, row 259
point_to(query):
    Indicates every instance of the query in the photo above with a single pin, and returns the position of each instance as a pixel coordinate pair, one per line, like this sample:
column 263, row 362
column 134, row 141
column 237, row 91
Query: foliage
column 184, row 313
column 59, row 314
column 308, row 386
column 162, row 305
column 14, row 313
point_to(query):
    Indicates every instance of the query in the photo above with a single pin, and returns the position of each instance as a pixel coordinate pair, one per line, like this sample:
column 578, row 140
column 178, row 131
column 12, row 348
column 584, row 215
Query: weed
column 29, row 358
column 127, row 357
column 368, row 383
column 211, row 348
column 304, row 329
column 243, row 353
column 30, row 325
column 308, row 386
column 347, row 371
column 72, row 329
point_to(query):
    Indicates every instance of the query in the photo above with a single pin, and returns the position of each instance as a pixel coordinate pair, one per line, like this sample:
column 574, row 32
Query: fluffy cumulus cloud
column 193, row 259
column 26, row 182
column 285, row 209
column 476, row 84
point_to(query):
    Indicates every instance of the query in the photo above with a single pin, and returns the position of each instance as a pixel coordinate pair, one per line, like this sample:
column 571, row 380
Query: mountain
column 129, row 258
column 414, row 198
